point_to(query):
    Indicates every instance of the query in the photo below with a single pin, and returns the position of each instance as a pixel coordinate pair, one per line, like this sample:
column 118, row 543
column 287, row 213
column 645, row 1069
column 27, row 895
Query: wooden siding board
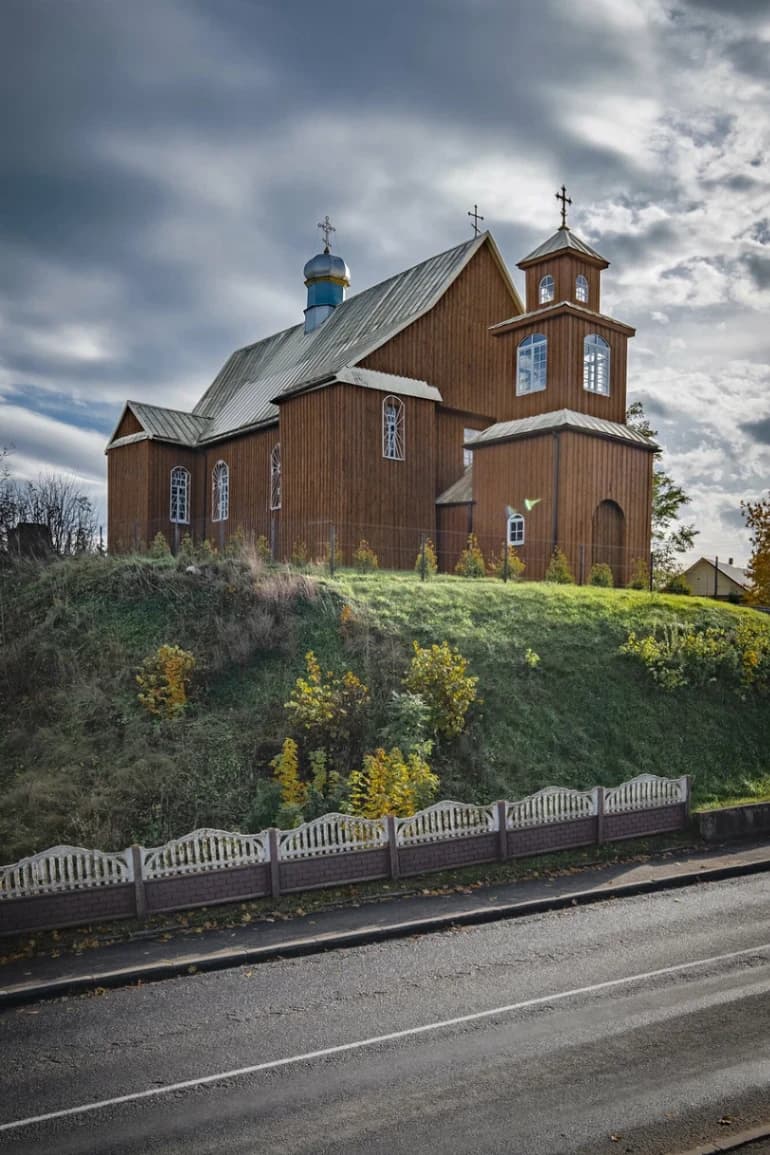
column 336, row 474
column 127, row 497
column 248, row 459
column 450, row 434
column 565, row 270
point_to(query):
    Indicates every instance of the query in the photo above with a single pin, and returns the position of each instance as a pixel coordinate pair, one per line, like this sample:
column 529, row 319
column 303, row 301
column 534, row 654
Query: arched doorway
column 609, row 539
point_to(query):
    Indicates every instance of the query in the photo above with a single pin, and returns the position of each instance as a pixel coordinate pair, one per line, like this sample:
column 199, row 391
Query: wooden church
column 435, row 404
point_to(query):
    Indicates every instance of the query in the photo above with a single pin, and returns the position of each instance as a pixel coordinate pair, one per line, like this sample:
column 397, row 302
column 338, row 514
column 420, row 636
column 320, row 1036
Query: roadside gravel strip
column 124, row 964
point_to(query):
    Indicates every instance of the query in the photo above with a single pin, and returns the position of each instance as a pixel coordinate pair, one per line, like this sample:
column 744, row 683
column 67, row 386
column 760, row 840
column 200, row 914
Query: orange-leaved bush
column 164, row 680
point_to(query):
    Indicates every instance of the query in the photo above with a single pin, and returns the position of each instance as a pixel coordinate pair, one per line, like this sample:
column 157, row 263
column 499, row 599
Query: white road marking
column 409, row 1032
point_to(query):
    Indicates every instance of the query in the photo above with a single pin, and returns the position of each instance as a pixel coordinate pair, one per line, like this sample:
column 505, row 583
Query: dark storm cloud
column 733, row 517
column 625, row 249
column 759, row 267
column 758, row 431
column 750, row 56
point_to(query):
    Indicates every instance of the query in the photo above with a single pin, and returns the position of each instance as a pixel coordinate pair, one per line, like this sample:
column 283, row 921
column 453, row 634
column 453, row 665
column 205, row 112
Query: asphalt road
column 631, row 1026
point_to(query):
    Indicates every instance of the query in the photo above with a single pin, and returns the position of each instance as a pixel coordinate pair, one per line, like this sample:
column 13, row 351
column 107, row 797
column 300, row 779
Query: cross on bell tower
column 565, row 200
column 326, row 228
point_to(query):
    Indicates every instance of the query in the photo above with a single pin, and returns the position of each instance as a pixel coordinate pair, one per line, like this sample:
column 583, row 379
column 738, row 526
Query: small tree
column 510, row 567
column 470, row 563
column 558, row 569
column 601, row 575
column 757, row 516
column 439, row 676
column 364, row 558
column 164, row 681
column 390, row 783
column 159, row 547
column 640, row 575
column 426, row 563
column 286, row 771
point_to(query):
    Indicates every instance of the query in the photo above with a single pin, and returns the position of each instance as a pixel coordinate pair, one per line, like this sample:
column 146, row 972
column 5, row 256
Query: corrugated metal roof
column 388, row 383
column 460, row 492
column 244, row 392
column 560, row 419
column 169, row 424
column 129, row 439
column 554, row 307
column 563, row 238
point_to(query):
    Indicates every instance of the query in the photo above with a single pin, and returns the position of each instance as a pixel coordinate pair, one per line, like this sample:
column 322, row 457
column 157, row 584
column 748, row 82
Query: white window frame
column 179, row 496
column 275, row 476
column 546, row 290
column 393, row 443
column 596, row 365
column 220, row 491
column 581, row 288
column 468, row 453
column 532, row 364
column 516, row 530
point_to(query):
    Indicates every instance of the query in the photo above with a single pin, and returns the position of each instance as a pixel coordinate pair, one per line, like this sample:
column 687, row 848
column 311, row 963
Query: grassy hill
column 82, row 761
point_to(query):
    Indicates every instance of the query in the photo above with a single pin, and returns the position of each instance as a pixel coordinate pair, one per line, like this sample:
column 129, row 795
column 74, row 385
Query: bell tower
column 564, row 353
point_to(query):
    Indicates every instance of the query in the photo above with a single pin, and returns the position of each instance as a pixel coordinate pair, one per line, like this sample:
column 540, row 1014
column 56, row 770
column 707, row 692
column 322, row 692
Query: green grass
column 80, row 760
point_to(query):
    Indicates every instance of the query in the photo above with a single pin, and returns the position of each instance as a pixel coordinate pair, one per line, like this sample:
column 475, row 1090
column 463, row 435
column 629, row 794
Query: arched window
column 545, row 290
column 581, row 288
column 531, row 364
column 596, row 364
column 220, row 492
column 180, row 495
column 516, row 530
column 275, row 477
column 393, row 429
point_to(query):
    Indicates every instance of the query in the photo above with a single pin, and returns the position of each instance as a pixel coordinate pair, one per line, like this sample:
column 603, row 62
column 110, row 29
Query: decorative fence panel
column 446, row 820
column 68, row 885
column 65, row 868
column 644, row 793
column 554, row 804
column 203, row 850
column 332, row 834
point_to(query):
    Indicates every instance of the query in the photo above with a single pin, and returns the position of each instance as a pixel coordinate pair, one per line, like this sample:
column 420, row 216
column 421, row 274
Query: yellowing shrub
column 438, row 675
column 164, row 681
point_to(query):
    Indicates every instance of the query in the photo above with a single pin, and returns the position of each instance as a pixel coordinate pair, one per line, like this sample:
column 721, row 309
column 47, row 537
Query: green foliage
column 262, row 549
column 159, row 547
column 365, row 560
column 512, row 571
column 470, row 563
column 186, row 553
column 558, row 570
column 299, row 556
column 326, row 707
column 408, row 721
column 757, row 516
column 438, row 675
column 531, row 659
column 640, row 575
column 677, row 585
column 678, row 655
column 390, row 783
column 601, row 575
column 426, row 563
column 164, row 681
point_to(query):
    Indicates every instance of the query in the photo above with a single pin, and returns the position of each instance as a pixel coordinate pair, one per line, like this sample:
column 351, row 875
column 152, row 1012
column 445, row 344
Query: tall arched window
column 275, row 477
column 180, row 495
column 516, row 530
column 393, row 429
column 581, row 288
column 220, row 492
column 531, row 364
column 596, row 364
column 545, row 291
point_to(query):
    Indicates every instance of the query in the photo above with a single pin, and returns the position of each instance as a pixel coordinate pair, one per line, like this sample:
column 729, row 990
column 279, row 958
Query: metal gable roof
column 562, row 239
column 460, row 492
column 168, row 424
column 245, row 392
column 560, row 419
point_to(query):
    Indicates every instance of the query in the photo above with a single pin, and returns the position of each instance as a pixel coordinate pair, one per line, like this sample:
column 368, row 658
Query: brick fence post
column 600, row 814
column 140, row 895
column 275, row 866
column 390, row 823
column 502, row 833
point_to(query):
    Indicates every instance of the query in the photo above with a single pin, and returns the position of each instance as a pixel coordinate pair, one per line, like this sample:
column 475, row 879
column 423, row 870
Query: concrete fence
column 70, row 886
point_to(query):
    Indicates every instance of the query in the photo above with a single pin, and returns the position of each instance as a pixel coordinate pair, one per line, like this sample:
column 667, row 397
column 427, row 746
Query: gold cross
column 565, row 200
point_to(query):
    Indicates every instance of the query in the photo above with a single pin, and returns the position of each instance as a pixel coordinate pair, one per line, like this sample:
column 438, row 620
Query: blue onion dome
column 327, row 266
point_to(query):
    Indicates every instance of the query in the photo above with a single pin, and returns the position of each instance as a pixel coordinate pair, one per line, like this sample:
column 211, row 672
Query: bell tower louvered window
column 596, row 364
column 393, row 429
column 531, row 364
column 220, row 492
column 180, row 495
column 275, row 477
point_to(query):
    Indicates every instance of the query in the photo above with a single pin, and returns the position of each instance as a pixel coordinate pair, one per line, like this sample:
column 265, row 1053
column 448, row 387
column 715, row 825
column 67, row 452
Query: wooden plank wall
column 248, row 458
column 453, row 524
column 450, row 434
column 565, row 270
column 564, row 380
column 451, row 347
column 335, row 473
column 127, row 497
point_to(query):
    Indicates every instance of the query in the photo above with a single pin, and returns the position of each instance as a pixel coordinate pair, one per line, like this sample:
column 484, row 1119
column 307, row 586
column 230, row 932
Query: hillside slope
column 82, row 761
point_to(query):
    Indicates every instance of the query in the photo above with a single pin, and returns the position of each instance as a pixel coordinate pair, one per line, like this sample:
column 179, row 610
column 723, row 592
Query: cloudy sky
column 163, row 164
